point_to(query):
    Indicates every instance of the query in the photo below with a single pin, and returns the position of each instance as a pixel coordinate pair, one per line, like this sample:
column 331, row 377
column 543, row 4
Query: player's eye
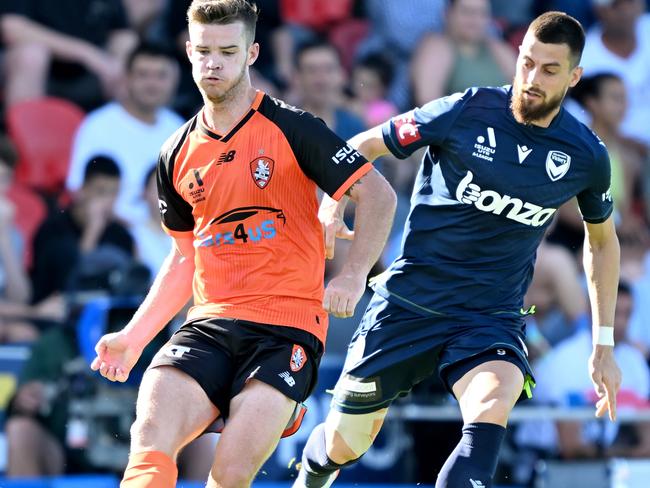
column 229, row 53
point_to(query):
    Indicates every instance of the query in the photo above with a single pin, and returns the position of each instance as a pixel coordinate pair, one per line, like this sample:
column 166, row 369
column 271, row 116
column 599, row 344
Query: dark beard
column 526, row 113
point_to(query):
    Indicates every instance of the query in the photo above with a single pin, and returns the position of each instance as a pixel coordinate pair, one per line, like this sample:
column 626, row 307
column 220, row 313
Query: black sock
column 474, row 461
column 317, row 468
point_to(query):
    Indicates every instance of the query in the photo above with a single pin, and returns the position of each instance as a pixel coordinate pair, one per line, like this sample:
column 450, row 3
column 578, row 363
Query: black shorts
column 222, row 355
column 393, row 349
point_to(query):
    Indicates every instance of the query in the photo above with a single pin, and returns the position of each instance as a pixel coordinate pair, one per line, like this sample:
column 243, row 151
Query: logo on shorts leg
column 174, row 351
column 287, row 378
column 298, row 358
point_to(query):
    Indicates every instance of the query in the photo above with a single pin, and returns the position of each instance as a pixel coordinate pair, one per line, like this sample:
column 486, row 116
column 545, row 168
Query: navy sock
column 474, row 461
column 317, row 468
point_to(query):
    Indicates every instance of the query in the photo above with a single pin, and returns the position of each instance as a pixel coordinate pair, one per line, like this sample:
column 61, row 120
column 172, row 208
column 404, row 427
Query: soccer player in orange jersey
column 238, row 194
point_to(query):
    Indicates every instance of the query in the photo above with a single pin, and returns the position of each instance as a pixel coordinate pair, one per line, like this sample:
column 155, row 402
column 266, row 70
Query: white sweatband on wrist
column 604, row 336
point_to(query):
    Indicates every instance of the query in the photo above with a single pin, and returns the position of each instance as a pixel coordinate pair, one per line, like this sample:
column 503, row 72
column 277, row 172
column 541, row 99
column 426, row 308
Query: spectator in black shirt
column 85, row 229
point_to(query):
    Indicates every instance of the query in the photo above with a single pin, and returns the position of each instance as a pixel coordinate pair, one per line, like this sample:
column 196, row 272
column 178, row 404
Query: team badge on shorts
column 262, row 170
column 298, row 358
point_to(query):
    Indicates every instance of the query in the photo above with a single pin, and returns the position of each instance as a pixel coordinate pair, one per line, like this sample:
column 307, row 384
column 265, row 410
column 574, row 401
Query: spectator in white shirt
column 132, row 130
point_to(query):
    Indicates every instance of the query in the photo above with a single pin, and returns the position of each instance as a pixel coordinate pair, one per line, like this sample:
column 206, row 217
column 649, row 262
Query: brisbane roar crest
column 262, row 170
column 298, row 358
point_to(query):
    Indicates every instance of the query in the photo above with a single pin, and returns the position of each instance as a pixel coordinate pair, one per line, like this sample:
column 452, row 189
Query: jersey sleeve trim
column 388, row 140
column 600, row 220
column 354, row 177
column 176, row 233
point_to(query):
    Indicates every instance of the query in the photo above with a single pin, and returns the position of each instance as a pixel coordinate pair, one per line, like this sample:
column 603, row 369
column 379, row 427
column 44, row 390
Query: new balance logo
column 287, row 378
column 492, row 202
column 226, row 157
column 485, row 152
column 476, row 484
column 523, row 153
column 174, row 351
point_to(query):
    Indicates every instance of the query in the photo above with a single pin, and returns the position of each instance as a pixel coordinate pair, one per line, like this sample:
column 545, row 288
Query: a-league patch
column 298, row 358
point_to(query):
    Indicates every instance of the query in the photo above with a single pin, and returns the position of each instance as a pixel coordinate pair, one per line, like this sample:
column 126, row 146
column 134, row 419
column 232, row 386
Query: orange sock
column 152, row 469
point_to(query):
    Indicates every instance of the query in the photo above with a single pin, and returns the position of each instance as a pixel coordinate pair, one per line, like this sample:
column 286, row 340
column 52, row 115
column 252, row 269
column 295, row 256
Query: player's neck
column 220, row 117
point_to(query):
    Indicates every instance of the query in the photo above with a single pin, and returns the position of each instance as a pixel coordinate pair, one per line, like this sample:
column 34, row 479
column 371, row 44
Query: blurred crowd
column 90, row 89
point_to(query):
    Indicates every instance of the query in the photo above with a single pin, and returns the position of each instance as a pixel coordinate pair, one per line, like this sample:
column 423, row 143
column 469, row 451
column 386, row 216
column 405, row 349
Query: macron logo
column 523, row 153
column 476, row 484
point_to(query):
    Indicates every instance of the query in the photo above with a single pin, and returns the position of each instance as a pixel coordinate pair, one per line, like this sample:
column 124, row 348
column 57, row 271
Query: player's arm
column 118, row 352
column 601, row 262
column 375, row 208
column 371, row 145
column 400, row 136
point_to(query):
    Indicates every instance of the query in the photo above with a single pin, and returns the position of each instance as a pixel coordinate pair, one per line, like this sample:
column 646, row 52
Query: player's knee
column 149, row 434
column 350, row 436
column 493, row 408
column 232, row 475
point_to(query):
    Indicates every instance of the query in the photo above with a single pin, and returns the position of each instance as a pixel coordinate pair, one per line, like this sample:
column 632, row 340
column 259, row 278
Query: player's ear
column 576, row 74
column 253, row 53
column 188, row 49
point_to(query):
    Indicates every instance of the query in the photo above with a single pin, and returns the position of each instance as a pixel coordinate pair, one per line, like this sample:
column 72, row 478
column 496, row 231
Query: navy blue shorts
column 394, row 348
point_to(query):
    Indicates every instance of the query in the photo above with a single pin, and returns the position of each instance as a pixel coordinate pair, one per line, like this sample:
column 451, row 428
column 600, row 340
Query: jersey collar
column 203, row 128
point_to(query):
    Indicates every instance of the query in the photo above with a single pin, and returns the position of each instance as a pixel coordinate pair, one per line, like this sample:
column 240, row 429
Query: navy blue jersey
column 486, row 191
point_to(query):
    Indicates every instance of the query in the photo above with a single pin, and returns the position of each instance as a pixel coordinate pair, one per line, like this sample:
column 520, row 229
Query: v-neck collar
column 246, row 117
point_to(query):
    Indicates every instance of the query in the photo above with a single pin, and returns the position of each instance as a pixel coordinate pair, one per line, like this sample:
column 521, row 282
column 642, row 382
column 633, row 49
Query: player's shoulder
column 582, row 134
column 174, row 142
column 298, row 126
column 478, row 98
column 281, row 112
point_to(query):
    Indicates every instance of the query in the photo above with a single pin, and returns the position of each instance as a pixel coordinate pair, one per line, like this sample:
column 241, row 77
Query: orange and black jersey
column 250, row 200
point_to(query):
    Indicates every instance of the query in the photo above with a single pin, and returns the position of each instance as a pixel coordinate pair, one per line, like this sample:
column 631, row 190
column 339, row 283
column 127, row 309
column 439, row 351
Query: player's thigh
column 348, row 436
column 258, row 416
column 172, row 409
column 488, row 391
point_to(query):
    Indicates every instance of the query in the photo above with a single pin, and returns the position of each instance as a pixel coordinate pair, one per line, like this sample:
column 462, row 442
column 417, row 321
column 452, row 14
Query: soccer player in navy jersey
column 499, row 163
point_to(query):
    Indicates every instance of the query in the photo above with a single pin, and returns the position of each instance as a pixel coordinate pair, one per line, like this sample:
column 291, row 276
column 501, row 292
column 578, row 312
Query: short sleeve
column 424, row 126
column 595, row 202
column 326, row 158
column 175, row 212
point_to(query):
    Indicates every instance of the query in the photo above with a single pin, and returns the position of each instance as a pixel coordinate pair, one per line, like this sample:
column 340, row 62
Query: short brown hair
column 560, row 28
column 224, row 12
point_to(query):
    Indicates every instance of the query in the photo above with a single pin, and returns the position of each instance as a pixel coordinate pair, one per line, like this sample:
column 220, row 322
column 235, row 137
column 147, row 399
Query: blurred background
column 90, row 89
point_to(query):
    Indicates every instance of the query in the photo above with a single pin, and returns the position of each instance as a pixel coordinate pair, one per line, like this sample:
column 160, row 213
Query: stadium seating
column 43, row 131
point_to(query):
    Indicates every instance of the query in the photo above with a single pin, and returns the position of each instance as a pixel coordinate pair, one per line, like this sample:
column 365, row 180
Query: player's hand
column 116, row 356
column 606, row 377
column 330, row 215
column 342, row 294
